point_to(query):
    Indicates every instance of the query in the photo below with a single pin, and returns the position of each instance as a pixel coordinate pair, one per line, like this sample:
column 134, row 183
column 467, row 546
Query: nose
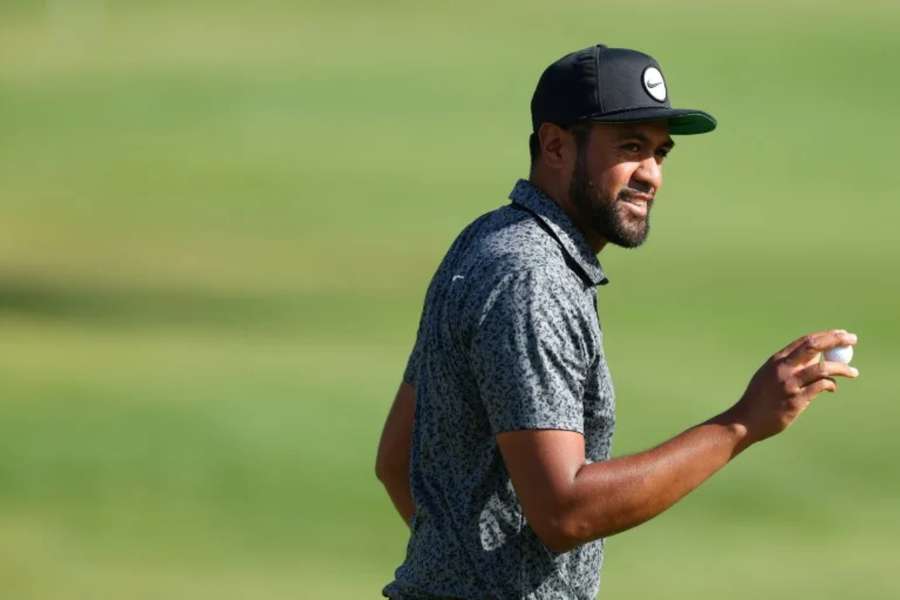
column 649, row 173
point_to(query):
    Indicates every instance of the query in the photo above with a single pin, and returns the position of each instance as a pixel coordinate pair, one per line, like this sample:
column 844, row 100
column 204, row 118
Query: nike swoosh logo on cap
column 654, row 84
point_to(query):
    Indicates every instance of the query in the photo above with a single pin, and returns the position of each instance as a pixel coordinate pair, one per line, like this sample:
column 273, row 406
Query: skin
column 566, row 501
column 621, row 172
column 392, row 462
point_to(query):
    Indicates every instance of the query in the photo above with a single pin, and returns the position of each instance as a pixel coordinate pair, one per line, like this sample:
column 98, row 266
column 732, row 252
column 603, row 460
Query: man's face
column 617, row 172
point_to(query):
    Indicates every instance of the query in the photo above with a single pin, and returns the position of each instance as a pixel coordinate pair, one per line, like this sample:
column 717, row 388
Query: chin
column 633, row 242
column 625, row 232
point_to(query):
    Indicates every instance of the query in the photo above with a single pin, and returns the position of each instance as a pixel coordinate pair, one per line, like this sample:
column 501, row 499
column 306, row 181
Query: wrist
column 736, row 428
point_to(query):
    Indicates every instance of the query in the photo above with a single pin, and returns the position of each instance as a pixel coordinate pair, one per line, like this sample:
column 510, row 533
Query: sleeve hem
column 577, row 428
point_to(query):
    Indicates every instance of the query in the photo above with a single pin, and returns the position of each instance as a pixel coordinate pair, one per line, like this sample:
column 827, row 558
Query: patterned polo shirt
column 508, row 340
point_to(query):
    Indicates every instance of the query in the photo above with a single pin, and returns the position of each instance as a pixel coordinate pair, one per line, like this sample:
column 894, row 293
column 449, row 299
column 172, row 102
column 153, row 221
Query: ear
column 557, row 147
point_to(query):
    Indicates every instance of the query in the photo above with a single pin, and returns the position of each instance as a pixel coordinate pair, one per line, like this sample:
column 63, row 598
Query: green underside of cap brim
column 681, row 121
column 690, row 124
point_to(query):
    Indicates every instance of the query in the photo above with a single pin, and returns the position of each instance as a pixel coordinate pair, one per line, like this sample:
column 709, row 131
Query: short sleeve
column 411, row 372
column 528, row 355
column 412, row 364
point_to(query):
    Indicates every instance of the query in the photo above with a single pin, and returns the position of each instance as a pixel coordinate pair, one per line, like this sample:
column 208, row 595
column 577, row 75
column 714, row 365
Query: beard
column 608, row 217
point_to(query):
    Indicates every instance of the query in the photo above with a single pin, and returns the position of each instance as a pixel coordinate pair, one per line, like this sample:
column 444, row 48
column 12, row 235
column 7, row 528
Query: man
column 496, row 450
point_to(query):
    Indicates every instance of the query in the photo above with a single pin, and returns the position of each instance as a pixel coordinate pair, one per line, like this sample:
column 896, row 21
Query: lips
column 637, row 203
column 636, row 208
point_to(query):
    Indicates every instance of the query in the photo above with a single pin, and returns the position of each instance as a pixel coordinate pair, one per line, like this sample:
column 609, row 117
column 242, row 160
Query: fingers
column 803, row 340
column 807, row 347
column 824, row 370
column 814, row 389
column 791, row 347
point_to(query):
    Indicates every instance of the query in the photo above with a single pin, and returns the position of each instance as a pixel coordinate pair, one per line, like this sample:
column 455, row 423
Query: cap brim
column 681, row 121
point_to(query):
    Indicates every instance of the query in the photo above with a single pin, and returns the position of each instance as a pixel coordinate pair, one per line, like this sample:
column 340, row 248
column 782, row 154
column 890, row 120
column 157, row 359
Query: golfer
column 496, row 450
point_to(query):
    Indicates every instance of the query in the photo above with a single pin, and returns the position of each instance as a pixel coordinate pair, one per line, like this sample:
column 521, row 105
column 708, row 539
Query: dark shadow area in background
column 145, row 306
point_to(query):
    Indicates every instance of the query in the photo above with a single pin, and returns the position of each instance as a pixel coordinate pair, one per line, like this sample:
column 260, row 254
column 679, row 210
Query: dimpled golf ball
column 841, row 354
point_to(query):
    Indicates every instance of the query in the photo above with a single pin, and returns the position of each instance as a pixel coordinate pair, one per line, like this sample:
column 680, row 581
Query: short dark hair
column 580, row 129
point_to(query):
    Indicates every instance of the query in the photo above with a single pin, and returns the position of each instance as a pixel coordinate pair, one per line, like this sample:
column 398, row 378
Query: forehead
column 652, row 132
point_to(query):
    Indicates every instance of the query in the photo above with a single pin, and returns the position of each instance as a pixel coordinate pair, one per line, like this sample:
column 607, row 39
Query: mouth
column 637, row 203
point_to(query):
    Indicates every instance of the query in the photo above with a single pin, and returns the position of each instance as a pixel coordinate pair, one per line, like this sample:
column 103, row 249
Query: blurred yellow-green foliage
column 219, row 220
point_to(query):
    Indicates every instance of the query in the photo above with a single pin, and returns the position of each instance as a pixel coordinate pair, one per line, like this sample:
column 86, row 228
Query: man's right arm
column 392, row 462
column 568, row 502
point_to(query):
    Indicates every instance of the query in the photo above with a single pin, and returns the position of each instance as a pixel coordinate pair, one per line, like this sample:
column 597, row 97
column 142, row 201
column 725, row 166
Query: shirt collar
column 529, row 196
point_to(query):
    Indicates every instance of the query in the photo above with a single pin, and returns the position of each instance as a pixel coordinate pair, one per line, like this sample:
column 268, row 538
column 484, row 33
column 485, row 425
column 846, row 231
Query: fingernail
column 854, row 371
column 852, row 337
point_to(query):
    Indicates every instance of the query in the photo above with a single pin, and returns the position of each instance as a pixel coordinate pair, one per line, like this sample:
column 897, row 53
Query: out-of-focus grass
column 219, row 219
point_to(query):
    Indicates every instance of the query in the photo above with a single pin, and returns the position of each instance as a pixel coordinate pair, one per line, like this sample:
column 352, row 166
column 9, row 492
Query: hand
column 789, row 381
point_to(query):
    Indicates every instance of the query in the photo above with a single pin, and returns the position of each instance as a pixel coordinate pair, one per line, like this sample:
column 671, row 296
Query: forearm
column 568, row 502
column 612, row 496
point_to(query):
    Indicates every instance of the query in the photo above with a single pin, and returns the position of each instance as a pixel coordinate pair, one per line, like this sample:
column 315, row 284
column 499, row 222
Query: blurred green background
column 219, row 220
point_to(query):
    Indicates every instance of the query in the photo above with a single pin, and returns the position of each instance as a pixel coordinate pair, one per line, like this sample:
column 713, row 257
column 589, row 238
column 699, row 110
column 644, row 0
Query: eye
column 663, row 152
column 631, row 147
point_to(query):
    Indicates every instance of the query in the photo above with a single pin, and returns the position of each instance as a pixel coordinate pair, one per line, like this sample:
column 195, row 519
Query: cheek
column 612, row 179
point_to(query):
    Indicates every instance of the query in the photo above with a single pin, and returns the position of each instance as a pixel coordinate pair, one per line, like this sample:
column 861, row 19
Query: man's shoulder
column 507, row 240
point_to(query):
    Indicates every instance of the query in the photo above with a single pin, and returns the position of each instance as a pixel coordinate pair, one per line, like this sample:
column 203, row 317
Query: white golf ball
column 841, row 354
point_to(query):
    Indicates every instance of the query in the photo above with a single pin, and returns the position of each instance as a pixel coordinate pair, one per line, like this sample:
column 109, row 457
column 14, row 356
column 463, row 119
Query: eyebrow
column 634, row 134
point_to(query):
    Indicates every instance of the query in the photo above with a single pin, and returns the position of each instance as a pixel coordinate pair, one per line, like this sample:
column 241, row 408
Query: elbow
column 383, row 461
column 382, row 472
column 561, row 533
column 389, row 466
column 558, row 542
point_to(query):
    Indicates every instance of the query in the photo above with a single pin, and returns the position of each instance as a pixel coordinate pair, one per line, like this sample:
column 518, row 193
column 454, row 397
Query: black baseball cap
column 610, row 85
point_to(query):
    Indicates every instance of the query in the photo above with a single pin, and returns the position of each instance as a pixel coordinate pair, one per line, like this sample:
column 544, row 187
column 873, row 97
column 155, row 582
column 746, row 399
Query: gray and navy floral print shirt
column 509, row 339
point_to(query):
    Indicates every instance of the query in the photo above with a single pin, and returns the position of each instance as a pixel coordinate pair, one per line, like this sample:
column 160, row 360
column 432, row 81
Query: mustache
column 635, row 188
column 640, row 187
column 630, row 194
